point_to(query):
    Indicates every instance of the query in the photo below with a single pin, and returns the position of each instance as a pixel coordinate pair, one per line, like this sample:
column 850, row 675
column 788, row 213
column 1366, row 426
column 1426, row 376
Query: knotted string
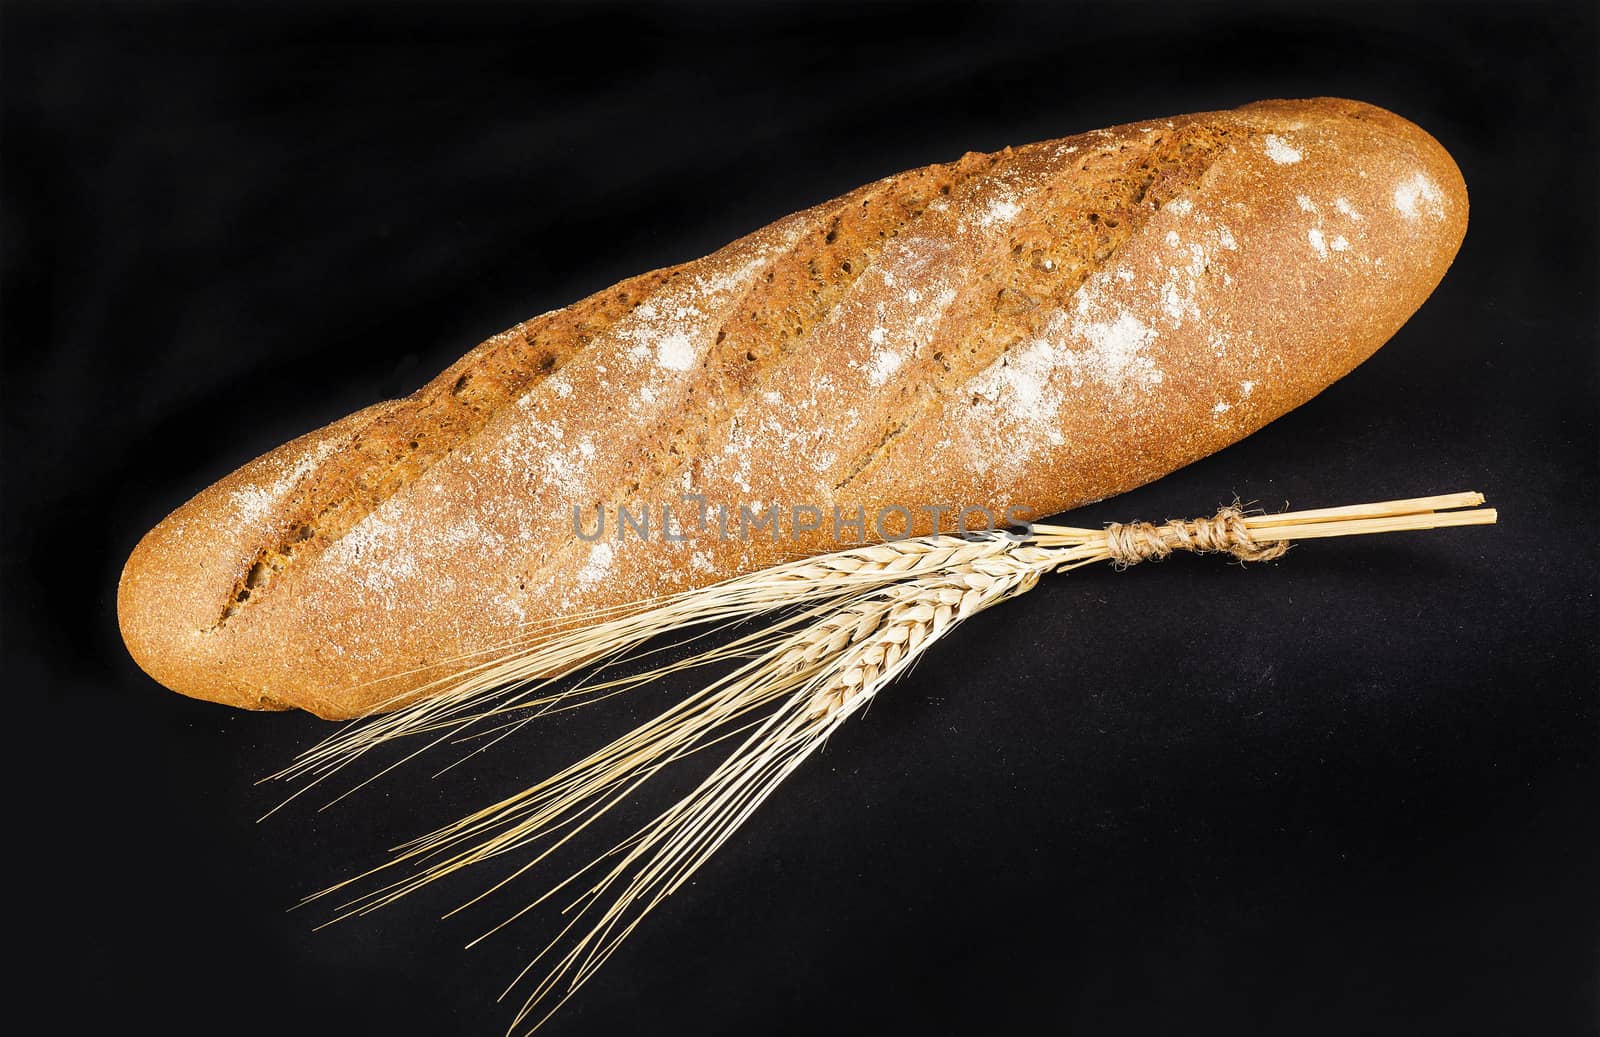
column 1224, row 532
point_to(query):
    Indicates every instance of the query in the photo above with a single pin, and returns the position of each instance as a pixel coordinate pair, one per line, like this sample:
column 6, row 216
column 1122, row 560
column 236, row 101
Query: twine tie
column 1223, row 533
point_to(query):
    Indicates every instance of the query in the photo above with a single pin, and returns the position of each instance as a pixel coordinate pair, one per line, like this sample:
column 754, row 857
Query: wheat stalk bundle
column 835, row 630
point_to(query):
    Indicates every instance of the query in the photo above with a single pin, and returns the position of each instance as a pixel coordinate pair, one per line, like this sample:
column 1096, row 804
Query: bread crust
column 1033, row 329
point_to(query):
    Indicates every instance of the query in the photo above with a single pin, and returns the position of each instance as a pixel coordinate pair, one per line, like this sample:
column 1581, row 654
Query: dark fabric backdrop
column 1352, row 791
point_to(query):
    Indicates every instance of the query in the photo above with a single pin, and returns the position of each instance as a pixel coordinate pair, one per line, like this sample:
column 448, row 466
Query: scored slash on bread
column 1037, row 328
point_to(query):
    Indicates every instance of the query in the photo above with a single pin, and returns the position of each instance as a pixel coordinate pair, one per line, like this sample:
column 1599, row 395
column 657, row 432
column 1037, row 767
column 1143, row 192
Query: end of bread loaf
column 179, row 582
column 1041, row 327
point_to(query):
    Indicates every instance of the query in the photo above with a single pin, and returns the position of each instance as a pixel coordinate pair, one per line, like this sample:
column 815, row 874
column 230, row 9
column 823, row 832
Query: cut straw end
column 1381, row 509
column 1413, row 513
column 1384, row 524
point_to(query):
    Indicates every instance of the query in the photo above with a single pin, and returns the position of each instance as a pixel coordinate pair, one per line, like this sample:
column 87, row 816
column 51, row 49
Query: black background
column 1352, row 791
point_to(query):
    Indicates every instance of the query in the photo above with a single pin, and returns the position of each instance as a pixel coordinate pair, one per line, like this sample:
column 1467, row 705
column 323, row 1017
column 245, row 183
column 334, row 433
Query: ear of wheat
column 834, row 630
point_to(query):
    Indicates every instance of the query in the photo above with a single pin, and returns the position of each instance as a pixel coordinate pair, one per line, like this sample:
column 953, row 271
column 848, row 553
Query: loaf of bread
column 1023, row 331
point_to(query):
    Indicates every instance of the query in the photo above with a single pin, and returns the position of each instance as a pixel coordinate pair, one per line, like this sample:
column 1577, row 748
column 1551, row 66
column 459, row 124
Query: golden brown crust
column 1041, row 327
